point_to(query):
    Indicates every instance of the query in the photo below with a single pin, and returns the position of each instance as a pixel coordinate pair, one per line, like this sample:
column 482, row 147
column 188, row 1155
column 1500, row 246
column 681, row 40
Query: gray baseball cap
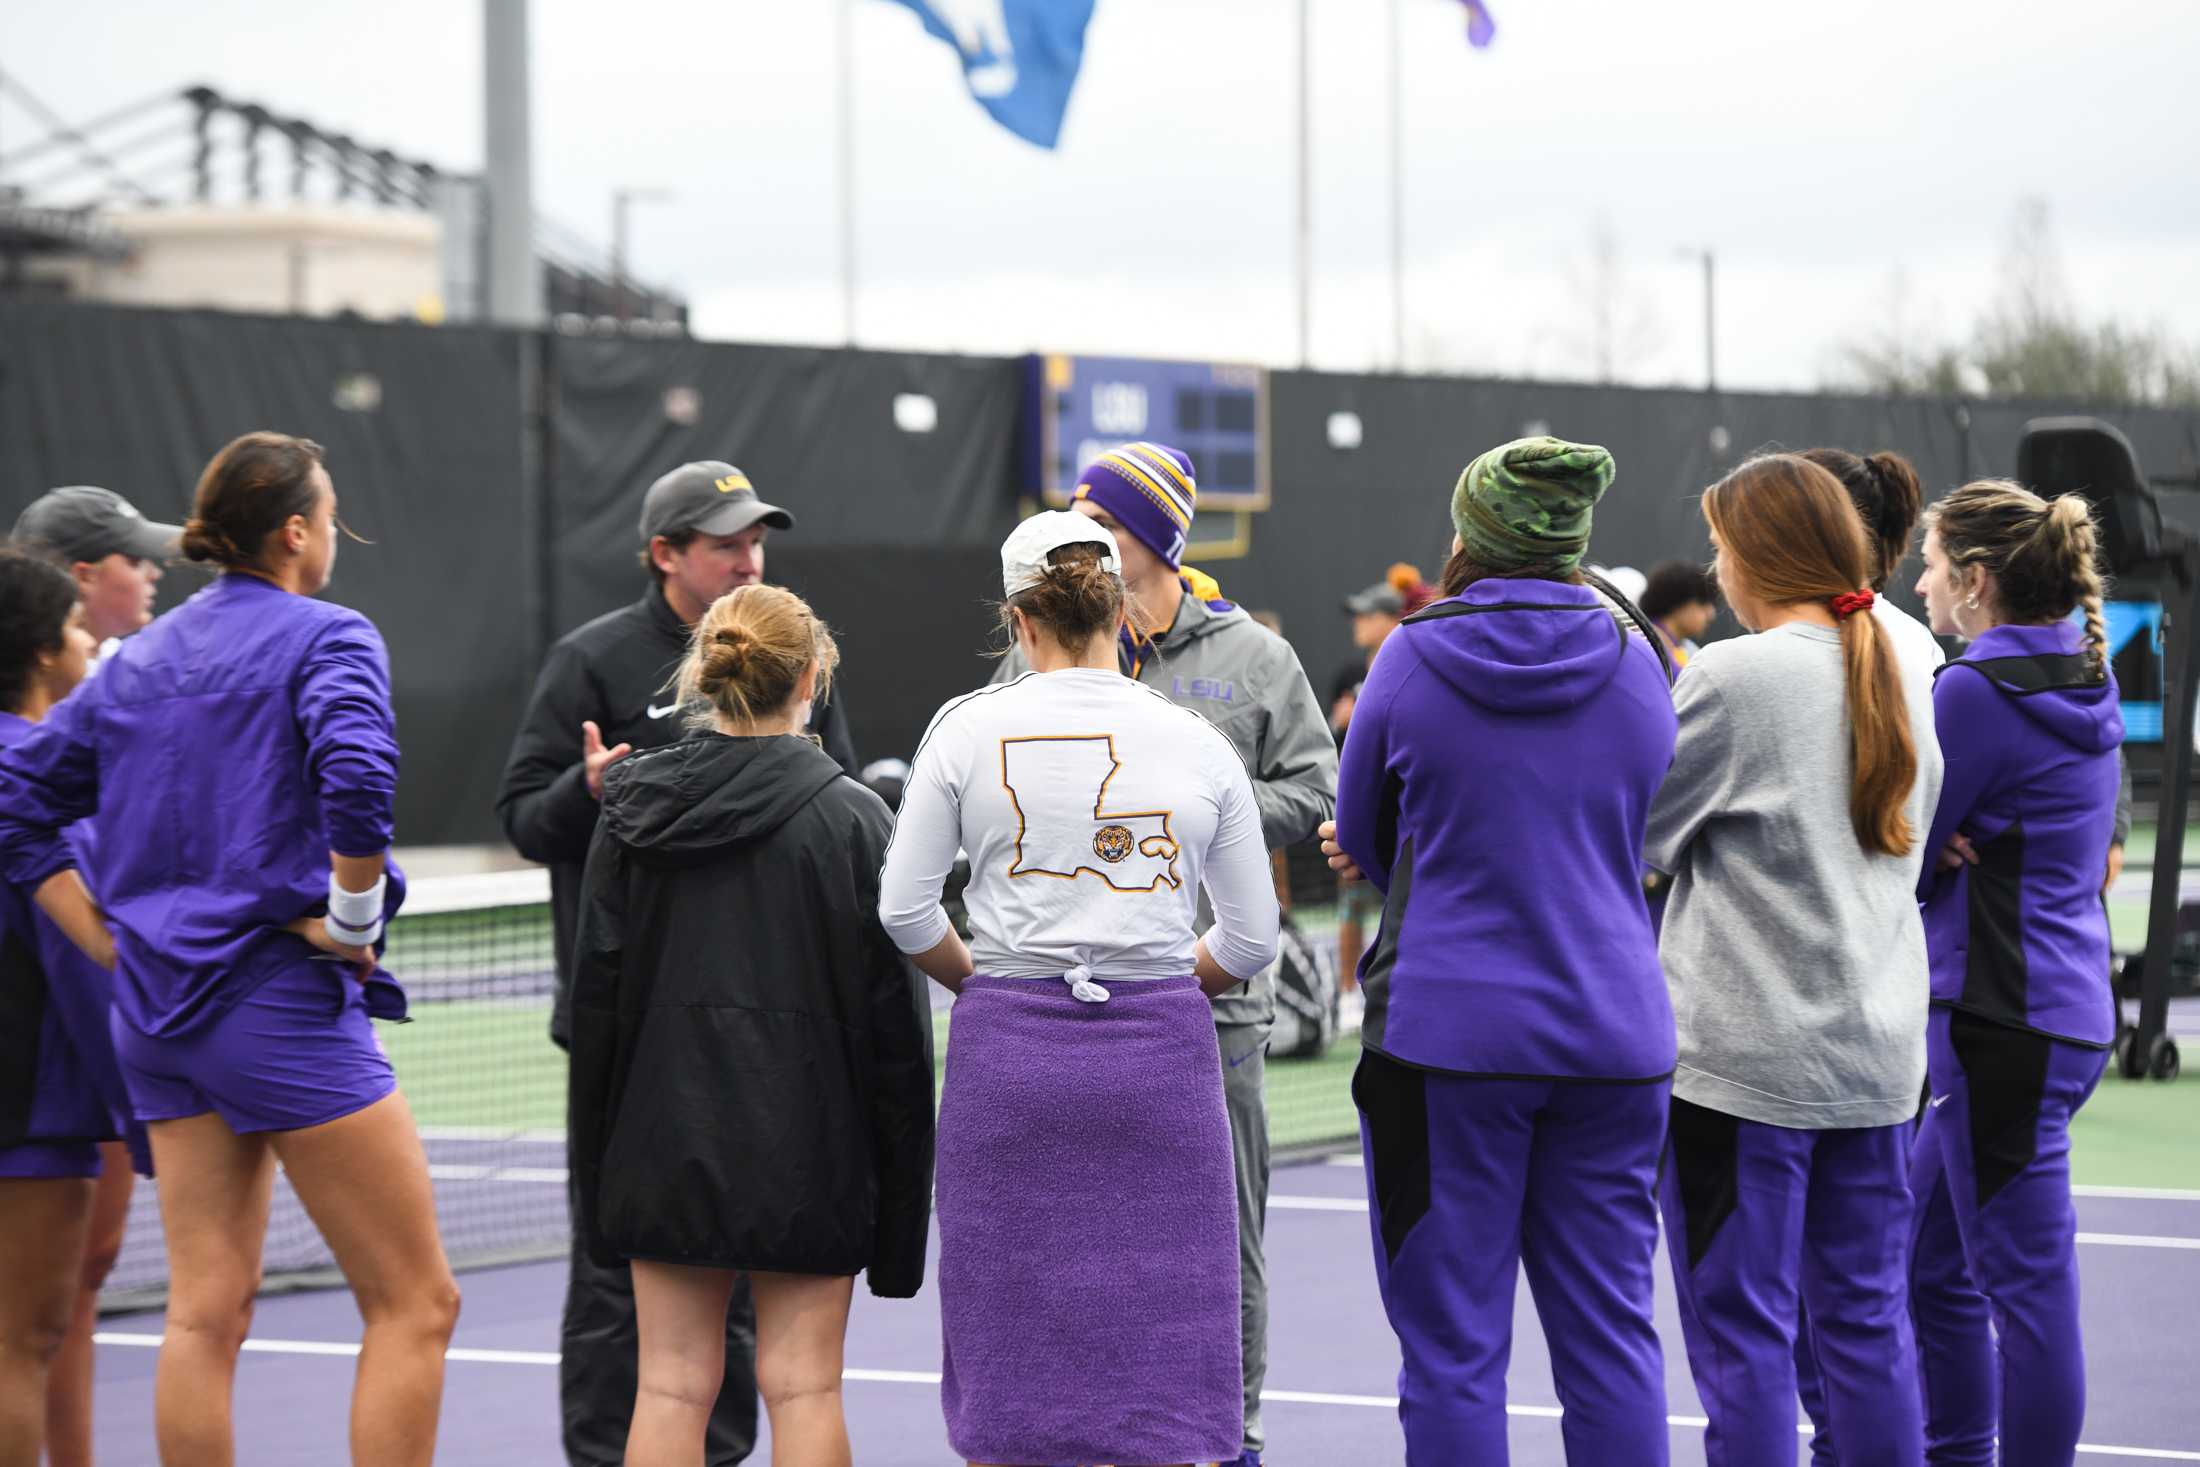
column 710, row 498
column 1381, row 597
column 80, row 522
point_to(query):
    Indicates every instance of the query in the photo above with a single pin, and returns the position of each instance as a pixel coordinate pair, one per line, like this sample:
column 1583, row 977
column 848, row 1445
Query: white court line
column 556, row 1176
column 894, row 1377
column 1318, row 1204
column 2107, row 1240
column 2137, row 1240
column 453, row 1172
column 460, row 1353
column 462, row 1173
column 2149, row 1194
column 932, row 1377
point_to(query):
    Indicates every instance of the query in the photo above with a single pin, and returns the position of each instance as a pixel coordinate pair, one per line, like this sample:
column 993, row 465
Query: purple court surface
column 1333, row 1362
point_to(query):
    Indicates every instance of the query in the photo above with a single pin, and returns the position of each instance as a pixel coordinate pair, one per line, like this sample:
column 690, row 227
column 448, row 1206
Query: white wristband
column 355, row 910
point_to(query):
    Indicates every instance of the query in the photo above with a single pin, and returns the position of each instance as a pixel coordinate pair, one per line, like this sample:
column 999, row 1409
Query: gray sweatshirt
column 1796, row 960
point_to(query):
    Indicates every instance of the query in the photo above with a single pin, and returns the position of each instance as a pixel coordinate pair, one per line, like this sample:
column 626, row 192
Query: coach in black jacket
column 605, row 691
column 606, row 688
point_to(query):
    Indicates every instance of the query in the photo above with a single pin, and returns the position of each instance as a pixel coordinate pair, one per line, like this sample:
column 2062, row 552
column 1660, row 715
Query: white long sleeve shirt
column 1092, row 809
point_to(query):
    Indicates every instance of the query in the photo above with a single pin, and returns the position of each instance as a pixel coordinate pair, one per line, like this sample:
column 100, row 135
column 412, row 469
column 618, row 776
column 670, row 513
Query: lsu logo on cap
column 733, row 483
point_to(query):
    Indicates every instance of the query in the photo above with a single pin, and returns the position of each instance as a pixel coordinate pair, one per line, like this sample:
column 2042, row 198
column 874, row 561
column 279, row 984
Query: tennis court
column 1333, row 1361
column 489, row 1091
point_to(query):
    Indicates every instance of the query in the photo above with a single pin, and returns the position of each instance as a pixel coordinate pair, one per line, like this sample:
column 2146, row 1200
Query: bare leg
column 680, row 1319
column 1351, row 939
column 364, row 1181
column 42, row 1230
column 69, row 1391
column 214, row 1188
column 801, row 1327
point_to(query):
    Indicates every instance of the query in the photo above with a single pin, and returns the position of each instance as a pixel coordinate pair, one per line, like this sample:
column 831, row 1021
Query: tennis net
column 487, row 1088
column 486, row 1085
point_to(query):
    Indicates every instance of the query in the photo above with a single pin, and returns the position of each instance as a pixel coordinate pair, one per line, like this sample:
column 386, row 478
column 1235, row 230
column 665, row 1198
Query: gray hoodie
column 1245, row 680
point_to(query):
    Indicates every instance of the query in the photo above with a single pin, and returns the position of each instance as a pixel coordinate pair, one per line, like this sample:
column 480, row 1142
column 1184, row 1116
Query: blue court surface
column 1332, row 1377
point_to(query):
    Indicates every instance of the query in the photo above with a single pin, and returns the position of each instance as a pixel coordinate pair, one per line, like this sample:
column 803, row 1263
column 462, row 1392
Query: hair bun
column 2066, row 512
column 204, row 542
column 728, row 656
column 1403, row 578
column 1901, row 492
column 1077, row 569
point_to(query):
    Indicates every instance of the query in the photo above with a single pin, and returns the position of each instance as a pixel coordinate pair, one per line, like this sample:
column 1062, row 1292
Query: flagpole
column 845, row 167
column 1306, row 213
column 1397, row 198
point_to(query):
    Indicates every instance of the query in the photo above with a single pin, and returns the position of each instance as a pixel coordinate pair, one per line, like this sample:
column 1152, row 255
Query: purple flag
column 1481, row 30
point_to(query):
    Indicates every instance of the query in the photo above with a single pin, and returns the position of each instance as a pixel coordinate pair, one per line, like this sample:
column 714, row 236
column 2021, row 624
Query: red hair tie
column 1848, row 603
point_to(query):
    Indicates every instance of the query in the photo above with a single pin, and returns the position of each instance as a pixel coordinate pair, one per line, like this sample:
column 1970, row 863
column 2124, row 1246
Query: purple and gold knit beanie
column 1148, row 490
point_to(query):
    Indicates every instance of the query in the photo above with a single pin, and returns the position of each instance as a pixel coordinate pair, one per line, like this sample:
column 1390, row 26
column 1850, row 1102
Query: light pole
column 622, row 199
column 515, row 275
column 1710, row 315
column 1397, row 199
column 1306, row 202
column 844, row 102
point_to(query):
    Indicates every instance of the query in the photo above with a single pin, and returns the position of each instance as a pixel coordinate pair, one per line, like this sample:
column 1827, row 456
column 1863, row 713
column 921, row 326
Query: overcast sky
column 1819, row 149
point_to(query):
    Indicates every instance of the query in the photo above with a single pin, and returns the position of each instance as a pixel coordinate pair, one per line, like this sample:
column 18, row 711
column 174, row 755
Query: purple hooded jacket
column 2030, row 736
column 1494, row 786
column 226, row 750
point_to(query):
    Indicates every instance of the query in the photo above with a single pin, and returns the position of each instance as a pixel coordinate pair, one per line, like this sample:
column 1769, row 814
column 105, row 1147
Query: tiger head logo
column 1112, row 843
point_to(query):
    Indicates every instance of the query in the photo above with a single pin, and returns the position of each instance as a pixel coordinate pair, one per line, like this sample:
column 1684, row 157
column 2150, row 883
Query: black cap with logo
column 80, row 522
column 710, row 498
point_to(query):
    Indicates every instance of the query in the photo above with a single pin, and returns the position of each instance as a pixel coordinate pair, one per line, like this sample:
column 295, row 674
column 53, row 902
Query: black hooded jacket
column 752, row 1058
column 617, row 671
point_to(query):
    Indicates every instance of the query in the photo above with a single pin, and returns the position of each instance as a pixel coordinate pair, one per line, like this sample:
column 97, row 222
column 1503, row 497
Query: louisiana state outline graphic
column 1059, row 786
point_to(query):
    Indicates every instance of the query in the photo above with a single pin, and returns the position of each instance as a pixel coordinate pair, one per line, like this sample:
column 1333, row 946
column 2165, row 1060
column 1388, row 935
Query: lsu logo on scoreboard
column 1065, row 829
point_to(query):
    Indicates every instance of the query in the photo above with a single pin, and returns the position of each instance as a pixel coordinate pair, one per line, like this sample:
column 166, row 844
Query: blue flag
column 1481, row 30
column 1019, row 57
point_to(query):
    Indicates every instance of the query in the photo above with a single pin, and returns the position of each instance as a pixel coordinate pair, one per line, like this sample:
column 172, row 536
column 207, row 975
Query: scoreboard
column 1076, row 408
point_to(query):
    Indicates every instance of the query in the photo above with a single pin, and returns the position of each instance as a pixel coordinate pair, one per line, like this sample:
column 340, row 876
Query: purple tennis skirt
column 1088, row 1227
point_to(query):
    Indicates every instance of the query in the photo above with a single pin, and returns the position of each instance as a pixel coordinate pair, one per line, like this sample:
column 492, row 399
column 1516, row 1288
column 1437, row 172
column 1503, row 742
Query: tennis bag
column 1306, row 996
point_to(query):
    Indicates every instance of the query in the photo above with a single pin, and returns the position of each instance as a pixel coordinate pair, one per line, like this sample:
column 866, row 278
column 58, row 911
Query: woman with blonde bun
column 752, row 1059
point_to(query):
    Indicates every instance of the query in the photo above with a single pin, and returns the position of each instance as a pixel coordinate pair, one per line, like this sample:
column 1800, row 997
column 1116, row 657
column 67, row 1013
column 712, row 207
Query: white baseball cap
column 1025, row 552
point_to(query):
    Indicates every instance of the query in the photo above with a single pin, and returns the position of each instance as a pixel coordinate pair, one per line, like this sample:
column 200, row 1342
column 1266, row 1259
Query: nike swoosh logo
column 1938, row 1101
column 665, row 712
column 1241, row 1059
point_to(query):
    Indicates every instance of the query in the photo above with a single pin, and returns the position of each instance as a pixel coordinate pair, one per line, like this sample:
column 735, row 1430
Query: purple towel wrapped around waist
column 1088, row 1227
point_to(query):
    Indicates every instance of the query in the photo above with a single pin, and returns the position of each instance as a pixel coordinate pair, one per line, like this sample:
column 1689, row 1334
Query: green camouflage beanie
column 1528, row 503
